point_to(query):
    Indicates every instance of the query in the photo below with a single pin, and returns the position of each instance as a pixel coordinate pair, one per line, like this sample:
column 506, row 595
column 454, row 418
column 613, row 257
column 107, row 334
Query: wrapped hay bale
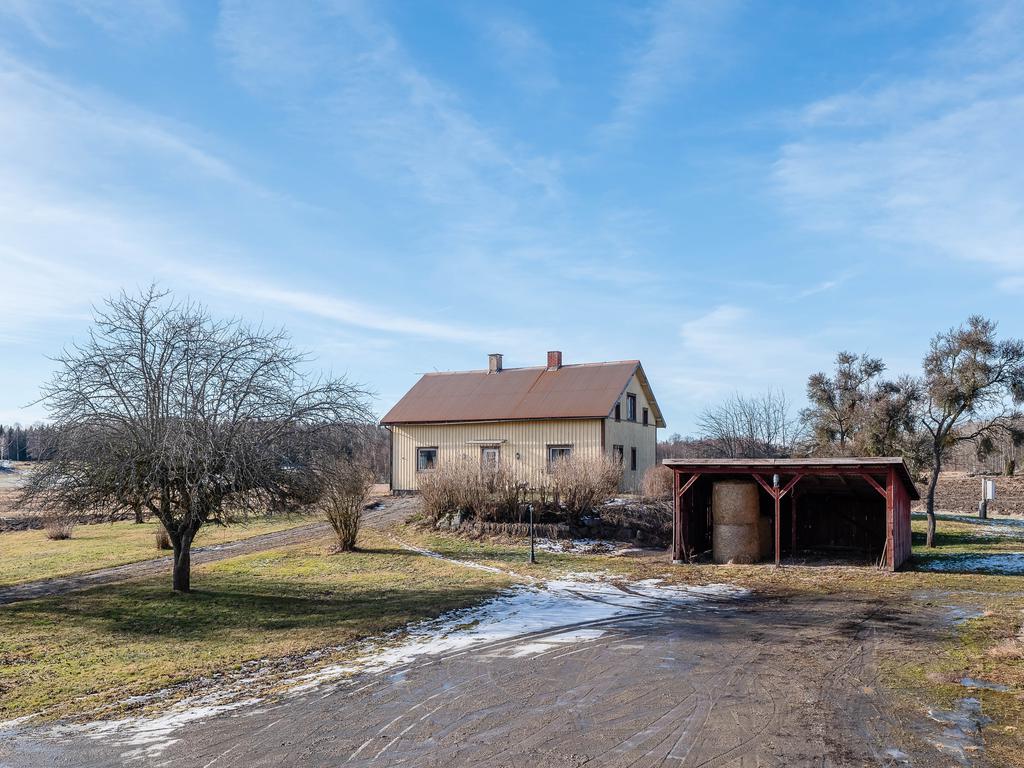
column 736, row 544
column 735, row 512
column 735, row 502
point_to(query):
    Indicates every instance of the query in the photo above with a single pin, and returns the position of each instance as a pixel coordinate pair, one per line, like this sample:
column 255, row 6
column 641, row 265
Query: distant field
column 10, row 482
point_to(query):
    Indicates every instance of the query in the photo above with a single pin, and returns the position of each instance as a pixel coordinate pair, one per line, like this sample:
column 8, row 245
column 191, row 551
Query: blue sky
column 730, row 191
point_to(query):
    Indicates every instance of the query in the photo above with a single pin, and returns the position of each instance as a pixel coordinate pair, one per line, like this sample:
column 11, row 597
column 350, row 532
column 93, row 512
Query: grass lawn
column 97, row 647
column 30, row 556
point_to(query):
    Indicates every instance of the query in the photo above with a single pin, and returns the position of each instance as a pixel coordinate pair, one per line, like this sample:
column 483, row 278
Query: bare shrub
column 582, row 483
column 505, row 493
column 58, row 525
column 657, row 483
column 163, row 540
column 345, row 490
column 452, row 487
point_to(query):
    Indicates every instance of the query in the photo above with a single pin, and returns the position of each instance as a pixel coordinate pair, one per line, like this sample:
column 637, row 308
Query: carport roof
column 818, row 466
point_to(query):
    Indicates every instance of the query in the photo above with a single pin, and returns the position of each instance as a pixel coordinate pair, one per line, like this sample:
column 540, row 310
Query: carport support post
column 677, row 521
column 890, row 517
column 778, row 519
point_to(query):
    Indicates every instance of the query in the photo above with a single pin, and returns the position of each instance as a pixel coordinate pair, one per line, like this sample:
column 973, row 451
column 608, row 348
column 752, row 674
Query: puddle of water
column 896, row 757
column 958, row 614
column 961, row 732
column 972, row 682
column 1007, row 563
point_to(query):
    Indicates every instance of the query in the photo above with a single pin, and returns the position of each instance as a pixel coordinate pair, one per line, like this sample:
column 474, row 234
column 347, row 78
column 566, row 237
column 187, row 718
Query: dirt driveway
column 743, row 682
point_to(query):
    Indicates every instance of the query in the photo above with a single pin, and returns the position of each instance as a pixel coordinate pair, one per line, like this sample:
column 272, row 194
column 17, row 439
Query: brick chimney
column 494, row 363
column 554, row 360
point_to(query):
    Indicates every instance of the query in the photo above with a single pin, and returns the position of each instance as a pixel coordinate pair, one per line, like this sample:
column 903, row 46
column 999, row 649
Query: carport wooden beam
column 680, row 518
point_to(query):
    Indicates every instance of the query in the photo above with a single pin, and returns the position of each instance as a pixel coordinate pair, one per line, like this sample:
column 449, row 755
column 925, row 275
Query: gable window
column 630, row 407
column 558, row 452
column 426, row 459
column 617, row 453
column 632, row 459
column 618, row 411
column 645, row 416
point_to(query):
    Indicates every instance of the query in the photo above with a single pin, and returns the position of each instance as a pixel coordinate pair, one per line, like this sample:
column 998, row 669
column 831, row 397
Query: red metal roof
column 588, row 390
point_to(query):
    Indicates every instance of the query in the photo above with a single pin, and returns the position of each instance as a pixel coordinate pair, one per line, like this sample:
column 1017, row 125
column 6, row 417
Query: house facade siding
column 523, row 445
column 633, row 434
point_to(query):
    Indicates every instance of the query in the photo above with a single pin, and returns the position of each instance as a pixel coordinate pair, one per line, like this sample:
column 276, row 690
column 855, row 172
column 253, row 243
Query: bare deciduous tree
column 972, row 383
column 759, row 426
column 197, row 420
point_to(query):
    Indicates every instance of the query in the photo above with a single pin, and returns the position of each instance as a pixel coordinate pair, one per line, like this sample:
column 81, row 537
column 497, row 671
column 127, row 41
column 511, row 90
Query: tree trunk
column 182, row 574
column 932, row 483
column 138, row 514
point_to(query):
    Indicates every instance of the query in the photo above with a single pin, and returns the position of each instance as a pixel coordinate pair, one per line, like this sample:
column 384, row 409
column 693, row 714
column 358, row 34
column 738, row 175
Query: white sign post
column 988, row 493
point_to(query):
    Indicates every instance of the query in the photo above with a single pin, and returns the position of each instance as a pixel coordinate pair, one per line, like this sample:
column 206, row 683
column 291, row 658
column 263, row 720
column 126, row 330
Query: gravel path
column 160, row 565
column 380, row 515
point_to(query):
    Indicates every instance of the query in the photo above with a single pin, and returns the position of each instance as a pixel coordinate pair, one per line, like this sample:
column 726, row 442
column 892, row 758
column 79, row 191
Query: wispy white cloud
column 339, row 309
column 74, row 134
column 345, row 74
column 680, row 33
column 78, row 226
column 929, row 165
column 130, row 22
column 521, row 53
column 731, row 348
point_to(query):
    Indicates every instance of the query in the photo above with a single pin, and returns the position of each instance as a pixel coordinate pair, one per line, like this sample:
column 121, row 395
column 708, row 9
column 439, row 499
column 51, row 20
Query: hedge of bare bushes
column 460, row 489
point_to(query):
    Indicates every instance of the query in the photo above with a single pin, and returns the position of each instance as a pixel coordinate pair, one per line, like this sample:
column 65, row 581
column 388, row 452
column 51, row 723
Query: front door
column 489, row 456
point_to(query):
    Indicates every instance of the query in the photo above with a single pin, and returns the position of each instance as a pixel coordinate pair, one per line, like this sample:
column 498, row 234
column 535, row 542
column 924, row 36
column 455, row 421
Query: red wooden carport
column 836, row 503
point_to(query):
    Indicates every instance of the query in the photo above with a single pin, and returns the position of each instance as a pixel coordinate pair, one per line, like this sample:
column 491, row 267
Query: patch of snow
column 577, row 546
column 619, row 501
column 147, row 737
column 1009, row 563
column 6, row 725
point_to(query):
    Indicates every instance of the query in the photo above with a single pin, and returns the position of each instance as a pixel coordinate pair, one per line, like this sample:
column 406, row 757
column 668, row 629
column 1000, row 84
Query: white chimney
column 494, row 363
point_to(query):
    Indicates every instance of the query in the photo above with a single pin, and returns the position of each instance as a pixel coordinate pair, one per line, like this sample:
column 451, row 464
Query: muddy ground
column 741, row 682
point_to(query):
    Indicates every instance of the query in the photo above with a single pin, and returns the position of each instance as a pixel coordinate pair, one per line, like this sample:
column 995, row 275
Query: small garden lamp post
column 533, row 556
